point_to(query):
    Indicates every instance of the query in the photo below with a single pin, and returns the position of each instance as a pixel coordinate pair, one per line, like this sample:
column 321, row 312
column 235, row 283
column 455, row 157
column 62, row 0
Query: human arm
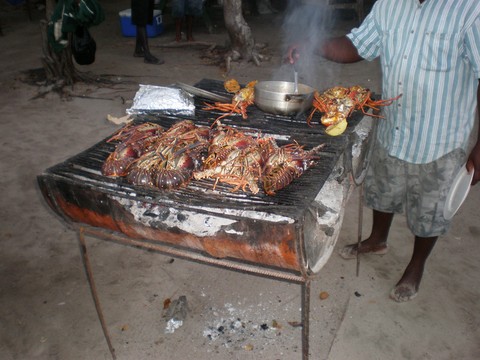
column 338, row 49
column 473, row 162
column 362, row 43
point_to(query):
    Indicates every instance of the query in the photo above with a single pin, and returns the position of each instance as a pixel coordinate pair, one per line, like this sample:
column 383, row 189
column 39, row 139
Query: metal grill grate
column 86, row 166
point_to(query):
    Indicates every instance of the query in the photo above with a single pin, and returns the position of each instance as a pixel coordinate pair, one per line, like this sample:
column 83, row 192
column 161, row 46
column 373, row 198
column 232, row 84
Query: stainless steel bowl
column 279, row 97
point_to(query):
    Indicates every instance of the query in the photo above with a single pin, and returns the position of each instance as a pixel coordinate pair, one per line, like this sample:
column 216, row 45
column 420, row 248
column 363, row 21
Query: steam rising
column 305, row 23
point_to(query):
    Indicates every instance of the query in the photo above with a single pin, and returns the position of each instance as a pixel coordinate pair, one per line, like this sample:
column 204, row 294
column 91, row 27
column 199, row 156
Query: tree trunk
column 49, row 7
column 241, row 38
column 59, row 67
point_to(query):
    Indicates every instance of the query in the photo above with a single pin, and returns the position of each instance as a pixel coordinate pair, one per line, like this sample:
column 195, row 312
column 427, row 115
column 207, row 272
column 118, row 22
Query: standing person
column 185, row 10
column 430, row 52
column 253, row 7
column 142, row 14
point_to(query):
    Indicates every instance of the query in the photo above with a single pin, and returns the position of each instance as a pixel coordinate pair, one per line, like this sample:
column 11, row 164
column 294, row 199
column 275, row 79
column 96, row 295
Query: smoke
column 308, row 24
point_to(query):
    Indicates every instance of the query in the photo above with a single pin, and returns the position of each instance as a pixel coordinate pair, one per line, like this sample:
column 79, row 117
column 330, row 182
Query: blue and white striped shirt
column 430, row 53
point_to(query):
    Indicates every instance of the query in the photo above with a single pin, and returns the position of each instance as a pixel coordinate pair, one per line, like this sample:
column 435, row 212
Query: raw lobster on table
column 242, row 98
column 245, row 161
column 179, row 151
column 149, row 155
column 285, row 164
column 168, row 159
column 134, row 141
column 337, row 104
column 235, row 158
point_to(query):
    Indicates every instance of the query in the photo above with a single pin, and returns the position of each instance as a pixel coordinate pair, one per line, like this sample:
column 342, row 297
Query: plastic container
column 129, row 30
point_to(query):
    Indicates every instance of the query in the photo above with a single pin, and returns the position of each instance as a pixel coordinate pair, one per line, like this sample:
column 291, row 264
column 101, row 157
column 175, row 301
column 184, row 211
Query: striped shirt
column 430, row 53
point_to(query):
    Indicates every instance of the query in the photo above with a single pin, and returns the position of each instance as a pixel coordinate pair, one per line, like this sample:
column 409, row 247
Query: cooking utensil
column 279, row 97
column 203, row 93
column 295, row 79
column 305, row 106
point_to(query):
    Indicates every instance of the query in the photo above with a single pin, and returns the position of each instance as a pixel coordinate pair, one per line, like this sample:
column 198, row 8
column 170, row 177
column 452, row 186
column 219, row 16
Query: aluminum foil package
column 160, row 99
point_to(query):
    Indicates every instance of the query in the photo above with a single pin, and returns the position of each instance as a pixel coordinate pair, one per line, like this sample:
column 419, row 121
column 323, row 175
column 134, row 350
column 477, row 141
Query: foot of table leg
column 96, row 300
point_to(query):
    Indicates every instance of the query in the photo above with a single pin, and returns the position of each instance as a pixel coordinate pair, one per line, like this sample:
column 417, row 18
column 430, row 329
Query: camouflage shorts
column 394, row 186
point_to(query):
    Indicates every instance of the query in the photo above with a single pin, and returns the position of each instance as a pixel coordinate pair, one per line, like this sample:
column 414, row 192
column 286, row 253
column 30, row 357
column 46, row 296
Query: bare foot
column 404, row 292
column 407, row 288
column 350, row 251
column 150, row 59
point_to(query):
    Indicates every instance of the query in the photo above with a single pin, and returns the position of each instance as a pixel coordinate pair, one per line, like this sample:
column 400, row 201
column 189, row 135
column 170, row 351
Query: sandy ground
column 46, row 309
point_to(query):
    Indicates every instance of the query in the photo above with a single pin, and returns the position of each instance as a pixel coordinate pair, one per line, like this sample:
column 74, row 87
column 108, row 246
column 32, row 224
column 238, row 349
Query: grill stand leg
column 93, row 289
column 305, row 319
column 360, row 223
column 305, row 284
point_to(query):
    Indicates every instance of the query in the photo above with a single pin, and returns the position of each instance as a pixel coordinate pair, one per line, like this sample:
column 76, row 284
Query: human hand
column 473, row 163
column 293, row 53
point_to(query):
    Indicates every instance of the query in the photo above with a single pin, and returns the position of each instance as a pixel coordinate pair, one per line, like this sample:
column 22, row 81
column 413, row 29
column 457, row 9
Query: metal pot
column 279, row 97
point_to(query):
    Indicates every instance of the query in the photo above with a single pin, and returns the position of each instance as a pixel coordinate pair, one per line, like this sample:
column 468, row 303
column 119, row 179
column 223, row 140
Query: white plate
column 458, row 192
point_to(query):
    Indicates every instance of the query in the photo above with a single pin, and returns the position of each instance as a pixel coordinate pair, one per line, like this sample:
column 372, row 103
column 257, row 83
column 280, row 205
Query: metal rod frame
column 303, row 280
column 93, row 288
column 360, row 226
